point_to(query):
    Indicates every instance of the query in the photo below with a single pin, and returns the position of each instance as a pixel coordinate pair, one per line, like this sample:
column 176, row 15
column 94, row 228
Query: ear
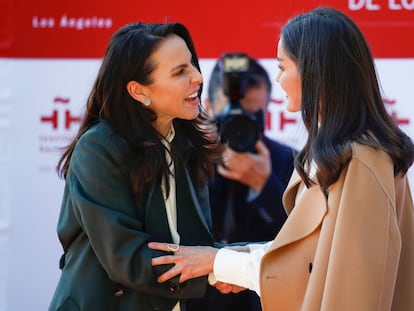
column 136, row 90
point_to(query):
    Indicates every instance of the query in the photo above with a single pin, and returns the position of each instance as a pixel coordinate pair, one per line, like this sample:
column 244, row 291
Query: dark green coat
column 104, row 231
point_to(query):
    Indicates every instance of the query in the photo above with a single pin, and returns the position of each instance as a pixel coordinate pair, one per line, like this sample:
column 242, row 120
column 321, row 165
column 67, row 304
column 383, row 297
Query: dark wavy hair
column 128, row 58
column 341, row 99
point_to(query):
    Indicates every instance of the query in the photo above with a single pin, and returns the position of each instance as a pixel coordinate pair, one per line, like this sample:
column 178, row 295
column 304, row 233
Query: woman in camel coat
column 350, row 251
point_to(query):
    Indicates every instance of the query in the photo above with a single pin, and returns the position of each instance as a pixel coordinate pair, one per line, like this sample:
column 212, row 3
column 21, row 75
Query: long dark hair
column 341, row 99
column 127, row 58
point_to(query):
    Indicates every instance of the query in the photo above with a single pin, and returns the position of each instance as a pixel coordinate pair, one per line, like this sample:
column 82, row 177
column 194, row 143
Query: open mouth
column 193, row 96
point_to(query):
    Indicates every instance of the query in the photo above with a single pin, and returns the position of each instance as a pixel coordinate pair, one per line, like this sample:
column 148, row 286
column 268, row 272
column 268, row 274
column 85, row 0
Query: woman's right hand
column 189, row 261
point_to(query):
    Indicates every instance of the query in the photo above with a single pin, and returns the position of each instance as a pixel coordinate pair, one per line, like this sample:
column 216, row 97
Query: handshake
column 189, row 262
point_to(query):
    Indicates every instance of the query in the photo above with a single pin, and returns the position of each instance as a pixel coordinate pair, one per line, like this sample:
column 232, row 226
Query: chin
column 191, row 116
column 291, row 107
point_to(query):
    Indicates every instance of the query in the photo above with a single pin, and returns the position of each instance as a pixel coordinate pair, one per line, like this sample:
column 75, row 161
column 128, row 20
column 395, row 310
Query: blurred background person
column 246, row 193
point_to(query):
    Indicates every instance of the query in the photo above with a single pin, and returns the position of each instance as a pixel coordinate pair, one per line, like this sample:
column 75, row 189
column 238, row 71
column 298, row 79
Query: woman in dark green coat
column 137, row 171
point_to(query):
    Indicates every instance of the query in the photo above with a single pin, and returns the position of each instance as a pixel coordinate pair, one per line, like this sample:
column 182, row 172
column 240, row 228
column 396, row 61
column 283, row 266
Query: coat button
column 172, row 287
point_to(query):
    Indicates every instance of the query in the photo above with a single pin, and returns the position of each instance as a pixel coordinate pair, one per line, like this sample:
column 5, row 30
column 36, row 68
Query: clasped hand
column 226, row 288
column 190, row 262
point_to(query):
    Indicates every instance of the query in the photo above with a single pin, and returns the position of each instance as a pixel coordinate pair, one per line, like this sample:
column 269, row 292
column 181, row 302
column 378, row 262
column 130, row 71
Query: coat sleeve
column 366, row 243
column 114, row 222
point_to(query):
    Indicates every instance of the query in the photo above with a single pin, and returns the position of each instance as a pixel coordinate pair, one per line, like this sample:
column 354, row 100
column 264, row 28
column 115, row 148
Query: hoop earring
column 147, row 101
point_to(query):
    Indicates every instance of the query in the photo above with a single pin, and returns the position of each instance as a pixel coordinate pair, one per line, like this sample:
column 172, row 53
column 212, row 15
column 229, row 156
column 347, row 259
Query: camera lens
column 240, row 132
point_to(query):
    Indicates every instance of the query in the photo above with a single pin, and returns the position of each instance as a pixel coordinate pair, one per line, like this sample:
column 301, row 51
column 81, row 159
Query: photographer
column 246, row 194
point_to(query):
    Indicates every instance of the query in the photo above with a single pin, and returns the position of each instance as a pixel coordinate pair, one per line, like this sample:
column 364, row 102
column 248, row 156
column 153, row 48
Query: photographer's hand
column 248, row 168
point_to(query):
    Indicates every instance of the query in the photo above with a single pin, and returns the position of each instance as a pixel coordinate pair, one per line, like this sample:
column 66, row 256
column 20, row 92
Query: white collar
column 171, row 134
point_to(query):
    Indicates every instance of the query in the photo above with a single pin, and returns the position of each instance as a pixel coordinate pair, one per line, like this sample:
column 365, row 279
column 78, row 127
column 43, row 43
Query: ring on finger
column 173, row 247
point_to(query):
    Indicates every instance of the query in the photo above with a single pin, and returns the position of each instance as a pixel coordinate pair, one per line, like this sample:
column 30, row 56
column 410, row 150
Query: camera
column 238, row 128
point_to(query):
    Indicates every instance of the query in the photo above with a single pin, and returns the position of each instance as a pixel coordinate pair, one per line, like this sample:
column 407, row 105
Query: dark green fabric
column 104, row 231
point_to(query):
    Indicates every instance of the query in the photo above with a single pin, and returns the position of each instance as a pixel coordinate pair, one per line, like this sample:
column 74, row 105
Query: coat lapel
column 305, row 215
column 192, row 223
column 156, row 222
column 193, row 207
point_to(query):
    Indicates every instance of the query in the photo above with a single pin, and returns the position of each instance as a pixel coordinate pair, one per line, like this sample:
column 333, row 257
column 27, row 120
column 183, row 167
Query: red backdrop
column 82, row 28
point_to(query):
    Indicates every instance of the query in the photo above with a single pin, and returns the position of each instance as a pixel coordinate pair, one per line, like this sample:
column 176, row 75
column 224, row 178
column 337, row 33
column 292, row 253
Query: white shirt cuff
column 237, row 268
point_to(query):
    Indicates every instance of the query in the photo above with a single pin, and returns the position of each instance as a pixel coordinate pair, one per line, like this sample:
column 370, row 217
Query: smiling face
column 289, row 79
column 176, row 83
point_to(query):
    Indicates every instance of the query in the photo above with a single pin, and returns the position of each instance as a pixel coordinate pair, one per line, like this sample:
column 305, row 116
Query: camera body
column 238, row 128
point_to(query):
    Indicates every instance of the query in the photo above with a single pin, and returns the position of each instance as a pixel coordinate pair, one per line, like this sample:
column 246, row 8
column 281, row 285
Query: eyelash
column 180, row 72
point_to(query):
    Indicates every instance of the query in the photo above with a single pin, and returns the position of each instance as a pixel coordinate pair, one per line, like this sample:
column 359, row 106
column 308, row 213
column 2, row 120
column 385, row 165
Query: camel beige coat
column 351, row 252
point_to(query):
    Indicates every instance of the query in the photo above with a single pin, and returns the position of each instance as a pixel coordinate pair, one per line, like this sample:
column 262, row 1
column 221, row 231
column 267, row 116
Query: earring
column 147, row 101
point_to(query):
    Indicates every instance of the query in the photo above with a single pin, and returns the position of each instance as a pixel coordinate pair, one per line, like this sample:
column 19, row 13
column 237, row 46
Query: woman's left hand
column 189, row 261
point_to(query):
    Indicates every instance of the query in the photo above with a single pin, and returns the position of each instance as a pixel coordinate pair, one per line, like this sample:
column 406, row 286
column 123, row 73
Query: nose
column 197, row 77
